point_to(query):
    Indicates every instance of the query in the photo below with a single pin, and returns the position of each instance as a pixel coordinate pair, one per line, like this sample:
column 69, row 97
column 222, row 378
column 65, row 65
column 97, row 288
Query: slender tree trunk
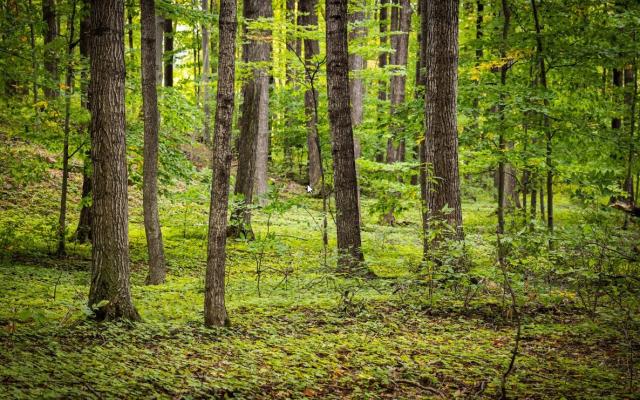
column 157, row 265
column 344, row 167
column 109, row 294
column 159, row 22
column 383, row 60
column 309, row 19
column 423, row 168
column 254, row 129
column 631, row 95
column 546, row 120
column 441, row 135
column 62, row 220
column 168, row 52
column 356, row 63
column 215, row 312
column 401, row 25
column 50, row 56
column 206, row 135
column 502, row 166
column 83, row 232
column 294, row 45
column 34, row 55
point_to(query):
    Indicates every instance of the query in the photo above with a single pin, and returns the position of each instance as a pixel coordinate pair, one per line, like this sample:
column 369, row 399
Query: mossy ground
column 304, row 333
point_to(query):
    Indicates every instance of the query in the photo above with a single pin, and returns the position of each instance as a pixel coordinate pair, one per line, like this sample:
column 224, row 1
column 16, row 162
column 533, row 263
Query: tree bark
column 502, row 165
column 168, row 52
column 159, row 22
column 215, row 312
column 50, row 56
column 309, row 19
column 441, row 135
column 254, row 128
column 344, row 167
column 157, row 265
column 109, row 294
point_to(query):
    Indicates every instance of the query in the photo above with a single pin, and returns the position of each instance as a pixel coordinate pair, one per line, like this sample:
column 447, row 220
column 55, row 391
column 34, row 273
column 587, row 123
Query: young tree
column 168, row 50
column 309, row 20
column 344, row 166
column 157, row 265
column 109, row 294
column 49, row 18
column 215, row 312
column 205, row 76
column 441, row 136
column 254, row 124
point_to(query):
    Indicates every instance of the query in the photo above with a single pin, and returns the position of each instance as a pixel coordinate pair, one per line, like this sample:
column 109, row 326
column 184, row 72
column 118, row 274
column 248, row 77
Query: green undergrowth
column 300, row 330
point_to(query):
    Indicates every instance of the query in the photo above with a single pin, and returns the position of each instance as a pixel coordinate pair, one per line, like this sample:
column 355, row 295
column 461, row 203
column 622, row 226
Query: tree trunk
column 546, row 120
column 206, row 135
column 83, row 232
column 109, row 294
column 383, row 59
column 400, row 25
column 159, row 22
column 168, row 50
column 423, row 167
column 157, row 265
column 441, row 135
column 62, row 220
column 50, row 56
column 631, row 94
column 254, row 129
column 344, row 167
column 502, row 166
column 309, row 19
column 215, row 312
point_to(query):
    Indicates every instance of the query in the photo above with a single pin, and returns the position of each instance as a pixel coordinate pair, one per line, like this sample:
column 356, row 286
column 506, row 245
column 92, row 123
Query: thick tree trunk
column 309, row 19
column 168, row 52
column 109, row 294
column 344, row 167
column 157, row 265
column 83, row 232
column 206, row 135
column 50, row 56
column 254, row 128
column 441, row 135
column 215, row 312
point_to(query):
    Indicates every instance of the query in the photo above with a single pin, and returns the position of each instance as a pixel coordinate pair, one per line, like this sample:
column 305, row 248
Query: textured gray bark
column 309, row 19
column 254, row 129
column 50, row 56
column 110, row 269
column 157, row 265
column 215, row 312
column 441, row 136
column 344, row 168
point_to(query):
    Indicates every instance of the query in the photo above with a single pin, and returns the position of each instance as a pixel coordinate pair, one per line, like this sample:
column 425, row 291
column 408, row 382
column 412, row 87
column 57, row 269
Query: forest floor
column 300, row 330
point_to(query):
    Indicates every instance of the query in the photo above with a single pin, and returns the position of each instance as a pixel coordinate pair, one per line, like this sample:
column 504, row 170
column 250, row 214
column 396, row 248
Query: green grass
column 309, row 333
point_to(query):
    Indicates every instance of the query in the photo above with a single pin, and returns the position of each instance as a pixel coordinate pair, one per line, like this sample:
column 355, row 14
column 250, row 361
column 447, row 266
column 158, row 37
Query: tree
column 254, row 121
column 51, row 59
column 309, row 20
column 157, row 265
column 441, row 136
column 83, row 231
column 205, row 76
column 168, row 50
column 344, row 167
column 109, row 294
column 215, row 312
